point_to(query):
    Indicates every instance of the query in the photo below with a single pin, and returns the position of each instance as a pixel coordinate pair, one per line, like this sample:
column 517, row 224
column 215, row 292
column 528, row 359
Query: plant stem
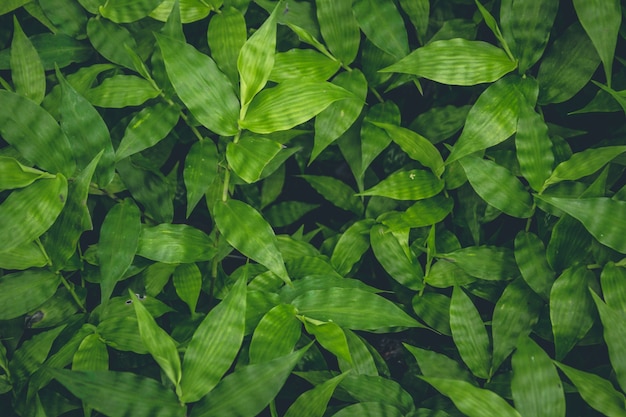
column 74, row 295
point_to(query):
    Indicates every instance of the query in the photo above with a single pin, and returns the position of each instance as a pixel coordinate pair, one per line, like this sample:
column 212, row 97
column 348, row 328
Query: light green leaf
column 190, row 10
column 598, row 392
column 35, row 134
column 491, row 23
column 258, row 384
column 313, row 403
column 383, row 25
column 485, row 262
column 92, row 355
column 361, row 354
column 601, row 20
column 226, row 35
column 612, row 279
column 27, row 71
column 339, row 28
column 351, row 246
column 31, row 354
column 109, row 40
column 289, row 104
column 158, row 342
column 418, row 12
column 456, row 62
column 536, row 386
column 21, row 292
column 352, row 308
column 119, row 394
column 390, row 253
column 15, row 175
column 335, row 191
column 24, row 256
column 415, row 184
column 204, row 89
column 126, row 11
column 199, row 172
column 214, row 345
column 187, row 280
column 331, row 337
column 276, row 334
column 571, row 308
column 248, row 232
column 473, row 401
column 303, row 64
column 423, row 213
column 433, row 364
column 469, row 334
column 603, row 217
column 614, row 324
column 534, row 147
column 121, row 91
column 174, row 244
column 249, row 156
column 530, row 256
column 119, row 237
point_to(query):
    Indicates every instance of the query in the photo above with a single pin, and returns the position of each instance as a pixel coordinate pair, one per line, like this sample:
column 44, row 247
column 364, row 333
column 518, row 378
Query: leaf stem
column 74, row 295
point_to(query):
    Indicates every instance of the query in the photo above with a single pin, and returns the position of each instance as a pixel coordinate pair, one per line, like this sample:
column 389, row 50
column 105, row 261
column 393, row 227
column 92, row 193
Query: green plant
column 312, row 208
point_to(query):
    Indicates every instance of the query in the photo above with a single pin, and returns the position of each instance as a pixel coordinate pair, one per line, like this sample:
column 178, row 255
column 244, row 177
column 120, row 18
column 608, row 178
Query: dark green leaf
column 187, row 281
column 313, row 403
column 121, row 91
column 530, row 256
column 199, row 172
column 339, row 28
column 484, row 262
column 336, row 192
column 415, row 184
column 613, row 290
column 433, row 364
column 109, row 40
column 351, row 246
column 614, row 324
column 383, row 25
column 92, row 355
column 26, row 68
column 174, row 244
column 391, row 254
column 534, row 147
column 21, row 292
column 125, row 11
column 434, row 309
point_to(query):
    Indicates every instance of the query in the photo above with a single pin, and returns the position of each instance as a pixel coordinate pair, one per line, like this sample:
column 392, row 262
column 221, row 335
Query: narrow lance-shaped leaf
column 304, row 64
column 248, row 232
column 26, row 68
column 124, row 11
column 534, row 147
column 117, row 394
column 199, row 172
column 21, row 292
column 226, row 35
column 485, row 262
column 313, row 403
column 109, row 39
column 276, row 334
column 418, row 12
column 373, row 140
column 490, row 21
column 613, row 290
column 331, row 337
column 614, row 325
column 174, row 244
column 121, row 91
column 204, row 89
column 415, row 184
column 433, row 364
column 469, row 334
column 214, row 345
column 603, row 217
column 119, row 236
column 530, row 256
column 15, row 175
column 351, row 246
column 187, row 281
column 366, row 388
column 335, row 191
column 249, row 156
column 383, row 25
column 456, row 62
column 339, row 28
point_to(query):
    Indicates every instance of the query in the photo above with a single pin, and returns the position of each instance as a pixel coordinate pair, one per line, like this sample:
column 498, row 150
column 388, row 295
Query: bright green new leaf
column 190, row 10
column 214, row 345
column 530, row 256
column 456, row 62
column 612, row 279
column 433, row 364
column 351, row 246
column 15, row 175
column 471, row 400
column 276, row 334
column 391, row 255
column 331, row 337
column 226, row 35
column 289, row 104
column 339, row 28
column 571, row 308
column 533, row 145
column 303, row 64
column 258, row 384
column 248, row 232
column 614, row 324
column 469, row 334
column 249, row 156
column 383, row 25
column 415, row 184
column 601, row 20
column 204, row 89
column 313, row 403
column 598, row 392
column 498, row 186
column 187, row 281
column 352, row 308
column 199, row 172
column 126, row 11
column 119, row 237
column 336, row 192
column 174, row 244
column 21, row 292
column 491, row 23
column 536, row 386
column 28, row 212
column 491, row 263
column 109, row 40
column 603, row 217
column 119, row 394
column 92, row 355
column 27, row 71
column 35, row 134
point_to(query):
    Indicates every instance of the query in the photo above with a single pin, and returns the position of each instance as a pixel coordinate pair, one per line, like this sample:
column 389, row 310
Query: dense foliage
column 312, row 208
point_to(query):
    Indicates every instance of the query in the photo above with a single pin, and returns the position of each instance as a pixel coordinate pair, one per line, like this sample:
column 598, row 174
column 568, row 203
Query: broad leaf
column 331, row 337
column 27, row 70
column 391, row 255
column 226, row 35
column 276, row 334
column 249, row 156
column 121, row 91
column 21, row 292
column 187, row 280
column 530, row 256
column 534, row 147
column 383, row 25
column 124, row 11
column 433, row 364
column 611, row 279
column 351, row 246
column 614, row 333
column 415, row 184
column 335, row 191
column 485, row 262
column 110, row 39
column 313, row 403
column 339, row 28
column 199, row 172
column 174, row 244
column 15, row 175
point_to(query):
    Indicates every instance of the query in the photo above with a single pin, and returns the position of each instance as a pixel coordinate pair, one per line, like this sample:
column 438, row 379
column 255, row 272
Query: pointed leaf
column 125, row 11
column 26, row 68
column 434, row 309
column 249, row 156
column 456, row 62
column 418, row 12
column 92, row 355
column 190, row 10
column 339, row 28
column 313, row 403
column 303, row 64
column 21, row 292
column 351, row 246
column 15, row 175
column 248, row 232
column 25, row 256
column 109, row 40
column 383, row 25
column 433, row 364
column 373, row 140
column 584, row 163
column 226, row 35
column 614, row 324
column 187, row 281
column 335, row 191
column 276, row 334
column 199, row 172
column 530, row 256
column 391, row 255
column 369, row 409
column 174, row 244
column 287, row 212
column 484, row 262
column 613, row 290
column 331, row 337
column 121, row 91
column 205, row 90
column 534, row 147
column 415, row 184
column 366, row 388
column 214, row 345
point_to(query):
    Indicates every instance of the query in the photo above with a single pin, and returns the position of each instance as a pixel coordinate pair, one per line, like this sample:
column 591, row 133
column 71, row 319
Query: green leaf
column 373, row 140
column 456, row 62
column 126, row 11
column 119, row 394
column 534, row 147
column 434, row 309
column 469, row 334
column 366, row 388
column 31, row 354
column 351, row 246
column 433, row 364
column 567, row 67
column 383, row 25
column 352, row 308
column 530, row 256
column 174, row 244
column 205, row 90
column 491, row 23
column 335, row 191
column 199, row 172
column 614, row 327
column 256, row 59
column 339, row 28
column 362, row 359
column 571, row 309
column 21, row 292
column 24, row 256
column 27, row 71
column 289, row 104
column 110, row 39
column 603, row 217
column 226, row 35
column 584, row 163
column 28, row 212
column 258, row 384
column 92, row 355
column 302, row 64
column 190, row 10
column 415, row 184
column 330, row 336
column 536, row 386
column 601, row 20
column 214, row 346
column 287, row 212
column 187, row 281
column 15, row 175
column 473, row 401
column 416, row 146
column 119, row 237
column 147, row 128
column 498, row 186
column 248, row 232
column 598, row 392
column 160, row 344
column 485, row 262
column 249, row 156
column 369, row 409
column 9, row 5
column 390, row 253
column 313, row 403
column 35, row 134
column 611, row 280
column 418, row 12
column 121, row 91
column 276, row 334
column 491, row 120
